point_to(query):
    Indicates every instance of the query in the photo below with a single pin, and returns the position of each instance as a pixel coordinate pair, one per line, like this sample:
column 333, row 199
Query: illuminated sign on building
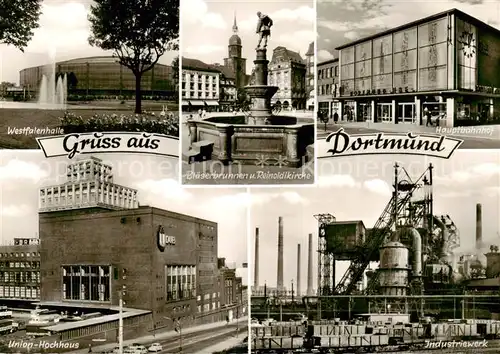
column 26, row 241
column 163, row 239
column 395, row 90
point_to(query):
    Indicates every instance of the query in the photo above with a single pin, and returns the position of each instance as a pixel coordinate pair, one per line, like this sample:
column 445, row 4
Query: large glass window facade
column 433, row 55
column 181, row 282
column 405, row 59
column 466, row 55
column 382, row 63
column 363, row 66
column 414, row 59
column 347, row 70
column 86, row 282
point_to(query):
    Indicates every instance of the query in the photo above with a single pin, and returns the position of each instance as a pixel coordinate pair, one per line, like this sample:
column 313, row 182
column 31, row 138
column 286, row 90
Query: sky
column 62, row 34
column 206, row 27
column 22, row 172
column 356, row 189
column 340, row 22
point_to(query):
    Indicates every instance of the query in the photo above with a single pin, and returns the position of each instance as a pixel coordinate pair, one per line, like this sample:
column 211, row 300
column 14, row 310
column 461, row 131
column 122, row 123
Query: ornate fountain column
column 225, row 132
column 193, row 132
column 292, row 146
column 260, row 93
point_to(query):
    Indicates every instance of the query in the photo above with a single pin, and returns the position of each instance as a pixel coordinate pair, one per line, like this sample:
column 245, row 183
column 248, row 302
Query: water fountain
column 52, row 93
column 257, row 136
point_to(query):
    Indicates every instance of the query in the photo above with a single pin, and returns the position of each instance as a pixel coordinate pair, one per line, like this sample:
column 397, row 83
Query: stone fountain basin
column 244, row 120
column 283, row 141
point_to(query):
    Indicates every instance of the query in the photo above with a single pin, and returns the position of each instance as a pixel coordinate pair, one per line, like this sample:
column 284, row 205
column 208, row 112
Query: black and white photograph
column 109, row 254
column 247, row 92
column 85, row 66
column 426, row 67
column 395, row 254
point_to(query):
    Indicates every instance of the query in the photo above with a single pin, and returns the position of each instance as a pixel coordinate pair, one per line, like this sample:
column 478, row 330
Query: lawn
column 38, row 118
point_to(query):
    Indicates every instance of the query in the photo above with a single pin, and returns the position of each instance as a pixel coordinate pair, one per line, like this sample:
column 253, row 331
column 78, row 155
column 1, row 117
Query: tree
column 175, row 72
column 139, row 32
column 18, row 19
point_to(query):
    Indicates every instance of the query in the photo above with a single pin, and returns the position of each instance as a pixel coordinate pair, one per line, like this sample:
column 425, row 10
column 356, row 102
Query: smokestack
column 310, row 267
column 280, row 254
column 298, row 269
column 479, row 226
column 256, row 260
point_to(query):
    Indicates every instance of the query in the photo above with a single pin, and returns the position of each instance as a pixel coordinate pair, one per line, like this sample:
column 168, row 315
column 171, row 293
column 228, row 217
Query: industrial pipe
column 417, row 253
column 280, row 284
column 479, row 226
column 450, row 258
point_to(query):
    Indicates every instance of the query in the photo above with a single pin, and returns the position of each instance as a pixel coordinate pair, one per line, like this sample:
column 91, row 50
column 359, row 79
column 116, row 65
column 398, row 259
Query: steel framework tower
column 326, row 261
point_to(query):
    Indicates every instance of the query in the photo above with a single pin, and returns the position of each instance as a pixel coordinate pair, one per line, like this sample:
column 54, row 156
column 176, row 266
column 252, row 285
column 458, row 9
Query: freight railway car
column 367, row 338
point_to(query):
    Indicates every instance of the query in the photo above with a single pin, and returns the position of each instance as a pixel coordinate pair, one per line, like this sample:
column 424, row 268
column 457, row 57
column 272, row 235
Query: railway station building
column 447, row 65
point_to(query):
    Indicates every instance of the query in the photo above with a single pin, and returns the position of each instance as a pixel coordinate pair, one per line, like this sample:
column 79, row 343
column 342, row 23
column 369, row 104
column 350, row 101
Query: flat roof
column 455, row 11
column 94, row 211
column 65, row 326
column 347, row 222
column 326, row 62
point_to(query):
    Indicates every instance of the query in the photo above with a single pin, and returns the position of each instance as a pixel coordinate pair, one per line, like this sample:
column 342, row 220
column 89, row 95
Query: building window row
column 180, row 282
column 35, row 265
column 19, row 255
column 86, row 283
column 19, row 277
column 200, row 95
column 327, row 73
column 20, row 292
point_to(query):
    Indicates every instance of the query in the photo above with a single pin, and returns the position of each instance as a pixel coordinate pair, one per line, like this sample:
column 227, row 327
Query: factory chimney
column 310, row 267
column 256, row 260
column 280, row 254
column 298, row 270
column 479, row 226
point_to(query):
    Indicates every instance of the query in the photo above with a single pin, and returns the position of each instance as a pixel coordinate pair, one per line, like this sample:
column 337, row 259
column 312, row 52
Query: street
column 193, row 342
column 197, row 342
column 481, row 142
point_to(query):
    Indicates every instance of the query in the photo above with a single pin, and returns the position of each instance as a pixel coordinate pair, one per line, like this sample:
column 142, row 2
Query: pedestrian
column 335, row 117
column 190, row 118
column 90, row 348
column 427, row 117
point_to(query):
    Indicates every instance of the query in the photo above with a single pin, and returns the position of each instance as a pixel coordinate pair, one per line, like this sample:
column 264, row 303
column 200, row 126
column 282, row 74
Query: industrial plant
column 406, row 287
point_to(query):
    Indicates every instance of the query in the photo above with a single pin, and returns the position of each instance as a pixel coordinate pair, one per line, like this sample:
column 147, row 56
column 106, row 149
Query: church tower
column 234, row 61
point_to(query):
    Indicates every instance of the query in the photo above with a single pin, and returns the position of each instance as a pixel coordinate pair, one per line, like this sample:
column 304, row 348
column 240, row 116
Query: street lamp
column 178, row 328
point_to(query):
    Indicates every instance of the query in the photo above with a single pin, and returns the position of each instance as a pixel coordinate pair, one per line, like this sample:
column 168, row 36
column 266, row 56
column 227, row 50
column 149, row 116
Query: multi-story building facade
column 20, row 270
column 310, row 88
column 446, row 65
column 287, row 70
column 235, row 63
column 328, row 88
column 227, row 91
column 106, row 245
column 200, row 86
column 89, row 184
column 231, row 290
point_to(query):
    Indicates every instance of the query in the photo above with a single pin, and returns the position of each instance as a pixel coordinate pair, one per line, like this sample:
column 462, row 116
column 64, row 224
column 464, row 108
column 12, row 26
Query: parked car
column 155, row 347
column 141, row 350
column 136, row 349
